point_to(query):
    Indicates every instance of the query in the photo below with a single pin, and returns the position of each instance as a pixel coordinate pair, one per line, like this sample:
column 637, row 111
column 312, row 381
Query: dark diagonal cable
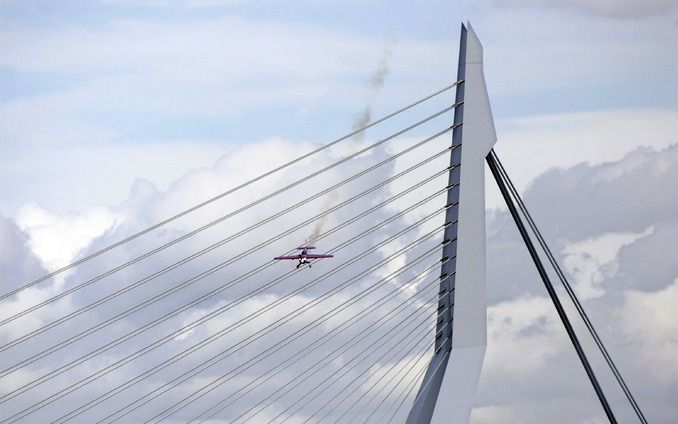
column 570, row 291
column 226, row 193
column 550, row 289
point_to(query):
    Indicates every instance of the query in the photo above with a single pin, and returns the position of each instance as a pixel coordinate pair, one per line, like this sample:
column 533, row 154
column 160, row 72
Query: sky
column 115, row 114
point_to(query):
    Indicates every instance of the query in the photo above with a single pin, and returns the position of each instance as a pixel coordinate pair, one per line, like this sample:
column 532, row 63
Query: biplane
column 303, row 257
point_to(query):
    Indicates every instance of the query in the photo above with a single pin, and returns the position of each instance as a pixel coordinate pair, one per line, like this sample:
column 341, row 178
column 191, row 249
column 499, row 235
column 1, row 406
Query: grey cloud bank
column 527, row 349
column 613, row 8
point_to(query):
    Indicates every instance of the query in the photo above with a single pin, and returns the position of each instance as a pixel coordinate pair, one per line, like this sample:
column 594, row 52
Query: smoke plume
column 376, row 83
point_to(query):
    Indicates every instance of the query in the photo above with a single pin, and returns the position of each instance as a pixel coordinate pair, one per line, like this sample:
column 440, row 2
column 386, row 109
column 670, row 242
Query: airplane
column 303, row 256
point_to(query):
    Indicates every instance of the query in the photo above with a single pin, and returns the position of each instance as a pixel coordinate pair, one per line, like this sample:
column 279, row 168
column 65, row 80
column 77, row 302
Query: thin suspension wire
column 196, row 277
column 410, row 388
column 291, row 388
column 122, row 362
column 154, row 369
column 367, row 377
column 344, row 370
column 299, row 354
column 427, row 382
column 409, row 368
column 224, row 403
column 228, row 306
column 390, row 355
column 236, row 212
column 336, row 376
column 231, row 283
column 224, row 194
column 348, row 395
column 211, row 361
column 393, row 293
column 87, row 380
column 570, row 291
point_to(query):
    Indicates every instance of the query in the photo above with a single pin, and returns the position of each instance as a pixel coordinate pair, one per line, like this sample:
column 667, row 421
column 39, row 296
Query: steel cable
column 206, row 364
column 374, row 384
column 391, row 294
column 570, row 291
column 337, row 377
column 223, row 404
column 191, row 280
column 325, row 358
column 234, row 213
column 226, row 193
column 56, row 396
column 364, row 393
column 388, row 395
column 407, row 393
column 203, row 319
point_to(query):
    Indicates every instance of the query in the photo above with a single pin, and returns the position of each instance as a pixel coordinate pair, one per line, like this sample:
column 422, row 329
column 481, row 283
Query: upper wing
column 318, row 256
column 279, row 258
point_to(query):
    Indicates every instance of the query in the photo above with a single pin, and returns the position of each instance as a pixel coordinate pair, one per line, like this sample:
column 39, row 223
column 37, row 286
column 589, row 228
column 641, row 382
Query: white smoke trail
column 376, row 83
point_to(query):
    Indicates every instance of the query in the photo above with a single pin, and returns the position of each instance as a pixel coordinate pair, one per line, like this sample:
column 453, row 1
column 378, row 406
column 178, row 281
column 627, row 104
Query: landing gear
column 303, row 262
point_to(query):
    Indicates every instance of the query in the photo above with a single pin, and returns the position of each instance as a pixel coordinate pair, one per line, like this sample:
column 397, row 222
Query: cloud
column 57, row 240
column 146, row 205
column 657, row 349
column 562, row 140
column 530, row 371
column 624, row 196
column 590, row 261
column 611, row 8
column 616, row 245
column 17, row 261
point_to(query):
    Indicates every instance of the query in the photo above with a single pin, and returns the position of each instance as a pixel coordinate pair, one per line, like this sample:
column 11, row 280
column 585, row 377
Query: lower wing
column 318, row 256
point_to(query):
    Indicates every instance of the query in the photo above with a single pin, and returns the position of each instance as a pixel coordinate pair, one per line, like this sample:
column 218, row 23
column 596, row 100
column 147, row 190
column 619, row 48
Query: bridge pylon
column 448, row 389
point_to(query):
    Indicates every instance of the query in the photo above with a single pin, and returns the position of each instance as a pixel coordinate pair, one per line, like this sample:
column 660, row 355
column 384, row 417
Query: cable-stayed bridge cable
column 393, row 293
column 317, row 391
column 223, row 287
column 302, row 352
column 202, row 320
column 242, row 209
column 300, row 378
column 199, row 276
column 288, row 317
column 550, row 289
column 570, row 291
column 213, row 314
column 224, row 194
column 421, row 353
column 56, row 396
column 407, row 393
column 409, row 367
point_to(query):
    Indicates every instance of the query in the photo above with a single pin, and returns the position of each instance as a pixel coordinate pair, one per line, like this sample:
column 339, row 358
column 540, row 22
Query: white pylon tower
column 448, row 390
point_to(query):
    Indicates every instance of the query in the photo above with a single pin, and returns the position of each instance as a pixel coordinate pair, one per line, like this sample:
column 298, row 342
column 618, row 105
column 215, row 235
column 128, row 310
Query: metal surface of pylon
column 448, row 389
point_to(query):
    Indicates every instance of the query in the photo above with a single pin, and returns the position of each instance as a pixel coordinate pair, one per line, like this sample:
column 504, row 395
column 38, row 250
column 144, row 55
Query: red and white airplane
column 303, row 256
